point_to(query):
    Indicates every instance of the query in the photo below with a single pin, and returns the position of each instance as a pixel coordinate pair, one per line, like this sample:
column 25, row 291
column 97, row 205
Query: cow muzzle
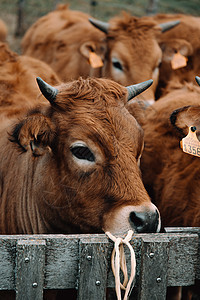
column 140, row 219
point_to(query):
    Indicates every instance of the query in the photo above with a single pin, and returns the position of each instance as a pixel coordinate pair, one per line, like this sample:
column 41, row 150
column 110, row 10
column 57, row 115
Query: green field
column 102, row 9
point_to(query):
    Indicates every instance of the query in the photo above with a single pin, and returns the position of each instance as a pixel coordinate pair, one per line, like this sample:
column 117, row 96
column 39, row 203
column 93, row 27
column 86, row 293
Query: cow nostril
column 144, row 221
column 137, row 219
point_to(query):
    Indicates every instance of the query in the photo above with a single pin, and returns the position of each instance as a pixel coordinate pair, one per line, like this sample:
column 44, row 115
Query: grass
column 104, row 10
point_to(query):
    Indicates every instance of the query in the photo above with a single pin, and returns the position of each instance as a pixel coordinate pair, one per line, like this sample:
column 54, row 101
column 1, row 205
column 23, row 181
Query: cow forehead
column 106, row 128
column 112, row 118
column 136, row 34
column 141, row 52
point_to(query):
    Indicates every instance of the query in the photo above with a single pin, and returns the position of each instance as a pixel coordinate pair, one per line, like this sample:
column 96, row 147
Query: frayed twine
column 118, row 260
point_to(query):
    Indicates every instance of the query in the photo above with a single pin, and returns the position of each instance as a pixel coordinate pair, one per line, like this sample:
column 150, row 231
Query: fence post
column 154, row 263
column 30, row 261
column 92, row 270
column 152, row 8
column 20, row 18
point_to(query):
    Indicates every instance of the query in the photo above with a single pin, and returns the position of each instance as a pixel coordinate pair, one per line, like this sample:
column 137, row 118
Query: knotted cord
column 118, row 260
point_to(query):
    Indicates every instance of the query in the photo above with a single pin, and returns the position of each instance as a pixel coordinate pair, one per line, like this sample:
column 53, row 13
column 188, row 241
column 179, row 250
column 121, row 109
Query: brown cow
column 171, row 176
column 162, row 146
column 18, row 89
column 72, row 166
column 64, row 39
column 128, row 46
column 3, row 31
column 183, row 40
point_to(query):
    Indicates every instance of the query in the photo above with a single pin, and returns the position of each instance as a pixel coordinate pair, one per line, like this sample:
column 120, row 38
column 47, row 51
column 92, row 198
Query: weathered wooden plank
column 92, row 270
column 7, row 264
column 30, row 261
column 154, row 264
column 62, row 252
column 182, row 229
column 61, row 263
column 191, row 230
column 182, row 258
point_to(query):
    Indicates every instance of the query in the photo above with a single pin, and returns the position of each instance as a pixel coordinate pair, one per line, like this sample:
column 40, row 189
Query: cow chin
column 139, row 219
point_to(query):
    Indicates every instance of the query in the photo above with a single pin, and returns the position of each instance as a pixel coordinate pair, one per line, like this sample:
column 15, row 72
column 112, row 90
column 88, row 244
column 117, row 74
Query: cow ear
column 137, row 108
column 173, row 46
column 86, row 48
column 35, row 133
column 185, row 117
column 89, row 51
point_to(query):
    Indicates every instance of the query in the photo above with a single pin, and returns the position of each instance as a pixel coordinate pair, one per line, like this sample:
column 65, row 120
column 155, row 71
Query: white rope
column 118, row 260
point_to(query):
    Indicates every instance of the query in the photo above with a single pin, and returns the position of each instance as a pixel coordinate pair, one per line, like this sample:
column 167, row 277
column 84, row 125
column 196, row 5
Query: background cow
column 64, row 39
column 128, row 46
column 162, row 146
column 18, row 88
column 183, row 40
column 171, row 176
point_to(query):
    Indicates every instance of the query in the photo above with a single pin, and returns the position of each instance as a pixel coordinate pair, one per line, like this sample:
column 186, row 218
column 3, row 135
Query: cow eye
column 116, row 64
column 82, row 152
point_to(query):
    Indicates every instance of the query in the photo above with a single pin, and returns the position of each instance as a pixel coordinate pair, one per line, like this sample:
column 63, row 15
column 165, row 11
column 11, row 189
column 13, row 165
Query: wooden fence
column 31, row 263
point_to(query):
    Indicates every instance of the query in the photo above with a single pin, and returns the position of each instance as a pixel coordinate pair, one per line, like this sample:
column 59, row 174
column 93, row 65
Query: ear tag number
column 178, row 61
column 190, row 144
column 95, row 60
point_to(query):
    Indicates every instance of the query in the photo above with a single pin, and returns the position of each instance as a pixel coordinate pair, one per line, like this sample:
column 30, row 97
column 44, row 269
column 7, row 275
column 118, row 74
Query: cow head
column 184, row 118
column 133, row 54
column 171, row 69
column 88, row 146
column 187, row 117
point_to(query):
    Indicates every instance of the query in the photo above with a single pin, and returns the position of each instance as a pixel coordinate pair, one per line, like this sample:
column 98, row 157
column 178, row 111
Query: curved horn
column 136, row 89
column 168, row 25
column 198, row 80
column 47, row 90
column 103, row 26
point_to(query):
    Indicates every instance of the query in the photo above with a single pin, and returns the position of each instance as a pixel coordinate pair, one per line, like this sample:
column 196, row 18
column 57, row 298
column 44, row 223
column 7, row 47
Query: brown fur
column 18, row 86
column 43, row 190
column 183, row 38
column 56, row 39
column 131, row 40
column 3, row 31
column 171, row 176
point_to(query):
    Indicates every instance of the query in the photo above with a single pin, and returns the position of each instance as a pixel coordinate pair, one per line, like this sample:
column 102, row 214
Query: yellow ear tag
column 95, row 60
column 178, row 61
column 190, row 144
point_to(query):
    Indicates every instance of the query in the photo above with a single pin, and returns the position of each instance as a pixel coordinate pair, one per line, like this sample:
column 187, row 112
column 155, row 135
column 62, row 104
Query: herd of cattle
column 92, row 145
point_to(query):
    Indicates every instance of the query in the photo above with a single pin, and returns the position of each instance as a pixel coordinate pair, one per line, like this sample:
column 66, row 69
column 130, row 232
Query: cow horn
column 47, row 90
column 136, row 89
column 168, row 25
column 103, row 26
column 198, row 80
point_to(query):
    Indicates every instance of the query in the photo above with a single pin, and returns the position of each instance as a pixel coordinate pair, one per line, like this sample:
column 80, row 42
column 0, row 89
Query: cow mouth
column 139, row 219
